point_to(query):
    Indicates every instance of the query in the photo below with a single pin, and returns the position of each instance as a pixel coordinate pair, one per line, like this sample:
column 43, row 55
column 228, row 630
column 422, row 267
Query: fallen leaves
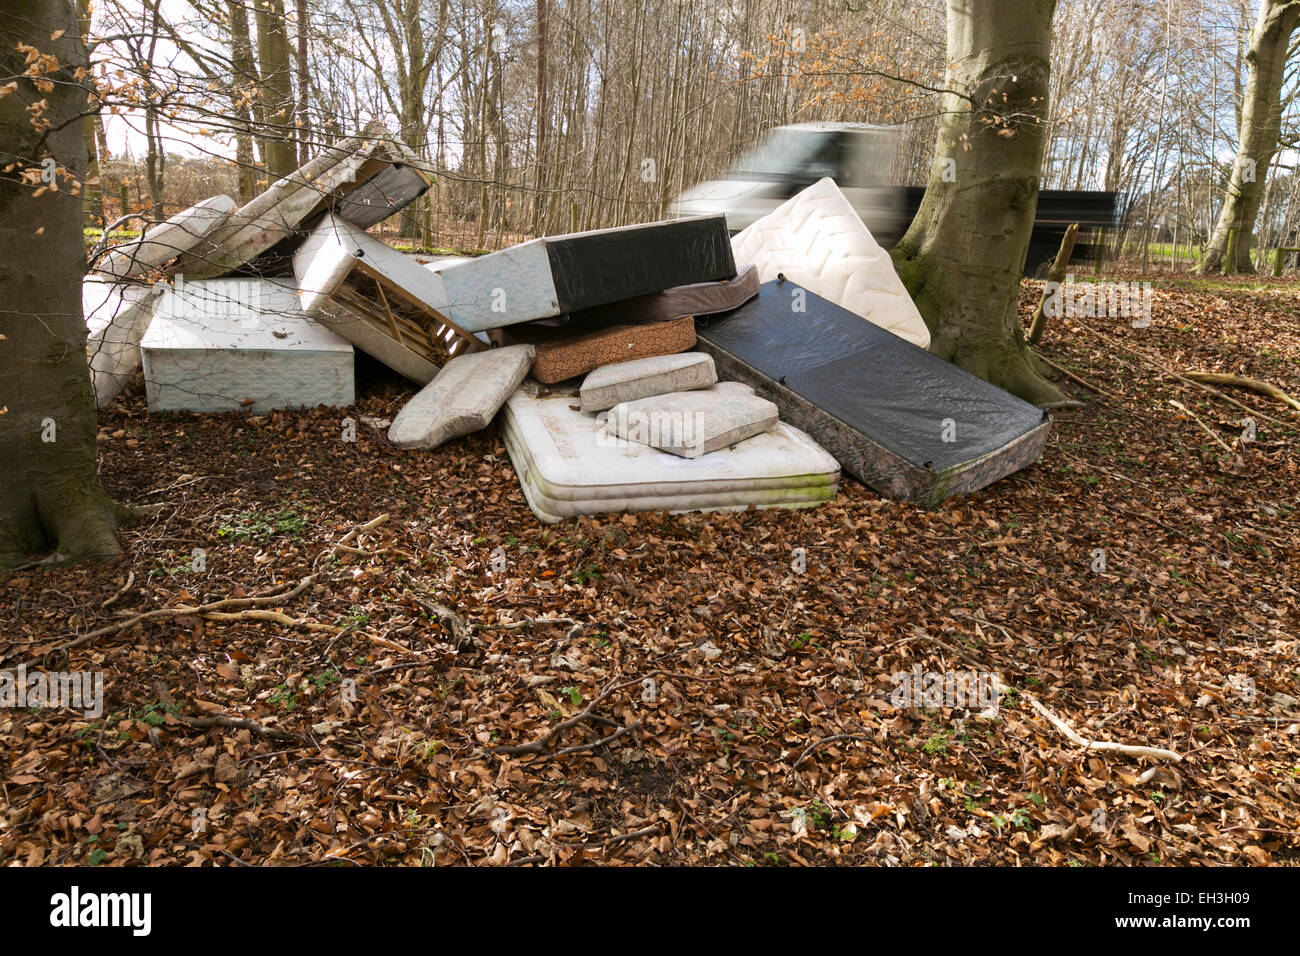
column 652, row 689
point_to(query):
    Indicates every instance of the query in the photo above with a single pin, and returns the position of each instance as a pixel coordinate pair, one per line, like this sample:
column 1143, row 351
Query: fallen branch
column 276, row 616
column 1131, row 750
column 1175, row 375
column 1080, row 380
column 204, row 723
column 229, row 604
column 370, row 525
column 1208, row 430
column 1242, row 381
column 462, row 632
column 825, row 741
column 1000, row 686
column 539, row 745
column 529, row 622
column 201, row 609
column 130, row 580
column 237, row 723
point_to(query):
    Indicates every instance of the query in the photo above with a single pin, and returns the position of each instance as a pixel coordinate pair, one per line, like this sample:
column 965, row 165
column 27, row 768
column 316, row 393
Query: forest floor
column 690, row 695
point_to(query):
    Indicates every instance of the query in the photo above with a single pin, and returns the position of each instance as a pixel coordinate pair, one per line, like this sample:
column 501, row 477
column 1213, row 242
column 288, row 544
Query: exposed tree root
column 1242, row 381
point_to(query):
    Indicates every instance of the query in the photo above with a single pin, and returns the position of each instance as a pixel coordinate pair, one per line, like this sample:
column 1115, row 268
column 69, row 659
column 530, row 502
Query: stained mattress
column 569, row 465
column 816, row 239
column 564, row 353
column 897, row 418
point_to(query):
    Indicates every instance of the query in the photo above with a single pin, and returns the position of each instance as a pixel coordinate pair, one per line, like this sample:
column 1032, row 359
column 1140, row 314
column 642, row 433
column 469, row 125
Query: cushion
column 690, row 424
column 563, row 354
column 462, row 398
column 816, row 240
column 641, row 378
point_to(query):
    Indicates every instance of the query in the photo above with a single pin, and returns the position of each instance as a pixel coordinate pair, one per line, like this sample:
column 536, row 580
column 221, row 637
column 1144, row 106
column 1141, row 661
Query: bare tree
column 1257, row 137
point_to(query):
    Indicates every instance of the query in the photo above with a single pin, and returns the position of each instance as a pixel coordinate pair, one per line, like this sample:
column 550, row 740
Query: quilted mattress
column 816, row 240
column 556, row 275
column 117, row 315
column 569, row 465
column 183, row 233
column 899, row 419
column 224, row 344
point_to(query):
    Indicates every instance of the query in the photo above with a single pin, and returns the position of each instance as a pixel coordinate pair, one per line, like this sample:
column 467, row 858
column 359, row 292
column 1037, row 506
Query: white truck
column 858, row 156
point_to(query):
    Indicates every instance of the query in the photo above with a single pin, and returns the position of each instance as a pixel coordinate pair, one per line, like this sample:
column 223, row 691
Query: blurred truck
column 860, row 158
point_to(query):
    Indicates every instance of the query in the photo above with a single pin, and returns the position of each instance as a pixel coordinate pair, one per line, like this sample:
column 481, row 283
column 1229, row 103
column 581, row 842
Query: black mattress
column 879, row 403
column 604, row 266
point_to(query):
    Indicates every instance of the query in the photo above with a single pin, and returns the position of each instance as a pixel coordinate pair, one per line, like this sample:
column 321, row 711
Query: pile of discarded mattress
column 664, row 366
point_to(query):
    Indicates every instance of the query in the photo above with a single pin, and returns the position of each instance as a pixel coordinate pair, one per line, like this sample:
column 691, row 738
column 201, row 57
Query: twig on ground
column 1079, row 379
column 1175, row 375
column 1131, row 750
column 130, row 580
column 1206, row 428
column 200, row 609
column 1001, row 686
column 825, row 741
column 539, row 745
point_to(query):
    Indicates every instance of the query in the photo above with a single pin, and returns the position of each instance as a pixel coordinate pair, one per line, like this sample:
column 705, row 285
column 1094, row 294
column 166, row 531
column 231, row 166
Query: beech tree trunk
column 50, row 495
column 1259, row 124
column 963, row 255
column 279, row 150
column 243, row 80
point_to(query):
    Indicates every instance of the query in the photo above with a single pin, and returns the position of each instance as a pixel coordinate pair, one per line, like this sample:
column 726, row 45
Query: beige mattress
column 568, row 465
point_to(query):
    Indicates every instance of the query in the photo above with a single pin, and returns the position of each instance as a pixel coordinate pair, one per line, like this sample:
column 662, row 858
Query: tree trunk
column 963, row 255
column 243, row 82
column 94, row 188
column 303, row 68
column 278, row 149
column 542, row 179
column 1257, row 133
column 50, row 495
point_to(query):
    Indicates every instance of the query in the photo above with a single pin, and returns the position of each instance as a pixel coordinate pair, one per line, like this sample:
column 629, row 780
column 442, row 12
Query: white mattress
column 816, row 240
column 569, row 465
column 182, row 233
column 222, row 344
column 505, row 287
column 326, row 258
column 117, row 315
column 464, row 397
